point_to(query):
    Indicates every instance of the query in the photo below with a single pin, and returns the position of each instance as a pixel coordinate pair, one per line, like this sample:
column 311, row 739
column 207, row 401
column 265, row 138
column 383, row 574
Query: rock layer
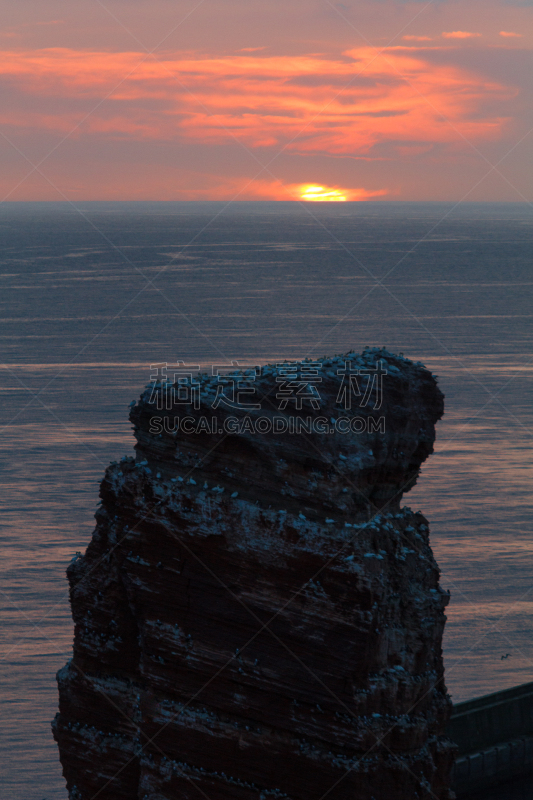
column 255, row 616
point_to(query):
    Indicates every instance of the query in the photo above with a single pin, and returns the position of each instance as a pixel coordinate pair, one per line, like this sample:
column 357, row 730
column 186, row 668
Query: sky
column 278, row 100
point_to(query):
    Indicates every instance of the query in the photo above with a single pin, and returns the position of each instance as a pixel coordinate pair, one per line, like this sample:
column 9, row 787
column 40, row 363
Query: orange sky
column 421, row 111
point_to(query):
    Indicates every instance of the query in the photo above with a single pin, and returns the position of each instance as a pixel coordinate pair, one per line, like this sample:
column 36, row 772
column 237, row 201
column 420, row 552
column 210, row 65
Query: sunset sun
column 317, row 193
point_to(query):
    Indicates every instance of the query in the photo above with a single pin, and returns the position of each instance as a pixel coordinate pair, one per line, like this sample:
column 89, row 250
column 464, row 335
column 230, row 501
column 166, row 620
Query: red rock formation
column 255, row 615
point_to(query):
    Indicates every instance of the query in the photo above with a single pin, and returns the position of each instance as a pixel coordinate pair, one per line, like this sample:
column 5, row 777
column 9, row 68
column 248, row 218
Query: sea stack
column 256, row 616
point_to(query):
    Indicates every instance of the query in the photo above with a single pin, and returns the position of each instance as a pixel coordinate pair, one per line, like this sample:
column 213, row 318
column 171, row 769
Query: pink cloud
column 410, row 38
column 306, row 104
column 460, row 35
column 510, row 34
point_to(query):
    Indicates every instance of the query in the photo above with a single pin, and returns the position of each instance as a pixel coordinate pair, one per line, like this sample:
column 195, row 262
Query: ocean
column 92, row 295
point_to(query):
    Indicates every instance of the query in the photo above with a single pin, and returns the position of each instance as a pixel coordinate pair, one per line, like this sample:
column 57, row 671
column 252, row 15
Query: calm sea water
column 90, row 297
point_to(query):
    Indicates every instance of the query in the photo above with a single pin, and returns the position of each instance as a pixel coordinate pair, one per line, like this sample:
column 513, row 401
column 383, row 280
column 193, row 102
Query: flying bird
column 506, row 656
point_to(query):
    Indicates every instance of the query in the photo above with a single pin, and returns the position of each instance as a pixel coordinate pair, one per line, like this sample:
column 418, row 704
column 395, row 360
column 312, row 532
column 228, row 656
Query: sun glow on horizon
column 316, row 193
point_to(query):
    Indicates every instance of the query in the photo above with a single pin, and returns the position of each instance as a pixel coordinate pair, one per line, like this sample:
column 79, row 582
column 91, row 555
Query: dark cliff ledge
column 256, row 617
